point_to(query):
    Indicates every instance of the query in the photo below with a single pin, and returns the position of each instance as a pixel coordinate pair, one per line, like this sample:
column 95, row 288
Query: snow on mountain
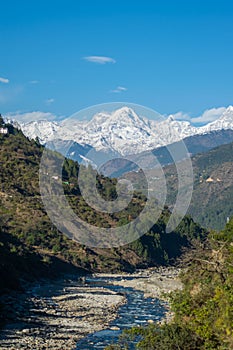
column 123, row 131
column 43, row 129
column 171, row 130
column 224, row 122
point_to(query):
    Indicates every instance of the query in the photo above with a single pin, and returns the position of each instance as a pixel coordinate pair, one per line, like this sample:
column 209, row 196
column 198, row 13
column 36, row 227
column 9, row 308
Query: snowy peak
column 126, row 114
column 121, row 117
column 170, row 118
column 43, row 129
column 227, row 116
column 123, row 131
column 224, row 122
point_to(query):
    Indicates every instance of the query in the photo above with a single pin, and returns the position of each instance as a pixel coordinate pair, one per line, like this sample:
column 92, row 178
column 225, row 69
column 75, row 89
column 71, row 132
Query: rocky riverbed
column 153, row 282
column 56, row 315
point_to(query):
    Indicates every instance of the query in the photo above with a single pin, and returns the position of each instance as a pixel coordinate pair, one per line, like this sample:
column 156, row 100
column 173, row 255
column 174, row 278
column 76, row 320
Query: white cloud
column 99, row 59
column 119, row 89
column 31, row 116
column 34, row 82
column 209, row 115
column 4, row 80
column 181, row 116
column 49, row 101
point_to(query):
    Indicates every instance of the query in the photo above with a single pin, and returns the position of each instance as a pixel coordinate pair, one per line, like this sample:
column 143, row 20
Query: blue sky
column 168, row 55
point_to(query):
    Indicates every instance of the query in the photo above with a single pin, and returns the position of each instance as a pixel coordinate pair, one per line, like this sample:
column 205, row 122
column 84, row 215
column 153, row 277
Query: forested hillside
column 203, row 309
column 213, row 187
column 211, row 202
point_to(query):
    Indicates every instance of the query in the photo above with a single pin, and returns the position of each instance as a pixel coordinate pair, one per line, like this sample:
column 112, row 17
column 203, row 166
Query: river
column 136, row 312
column 90, row 313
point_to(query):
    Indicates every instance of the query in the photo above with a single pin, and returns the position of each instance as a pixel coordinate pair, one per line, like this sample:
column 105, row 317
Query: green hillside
column 203, row 310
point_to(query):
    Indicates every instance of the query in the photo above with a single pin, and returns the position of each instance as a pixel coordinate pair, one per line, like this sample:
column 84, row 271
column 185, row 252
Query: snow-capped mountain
column 224, row 122
column 122, row 131
column 43, row 129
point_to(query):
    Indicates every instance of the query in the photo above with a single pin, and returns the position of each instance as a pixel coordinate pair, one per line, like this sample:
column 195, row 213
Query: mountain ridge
column 122, row 131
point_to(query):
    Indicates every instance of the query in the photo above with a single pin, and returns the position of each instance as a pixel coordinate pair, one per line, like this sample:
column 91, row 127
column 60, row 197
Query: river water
column 136, row 312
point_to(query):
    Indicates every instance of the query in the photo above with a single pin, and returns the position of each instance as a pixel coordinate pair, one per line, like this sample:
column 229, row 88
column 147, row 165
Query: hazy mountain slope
column 203, row 143
column 211, row 202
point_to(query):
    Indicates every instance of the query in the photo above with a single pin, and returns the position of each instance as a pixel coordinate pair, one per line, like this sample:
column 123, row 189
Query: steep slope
column 213, row 187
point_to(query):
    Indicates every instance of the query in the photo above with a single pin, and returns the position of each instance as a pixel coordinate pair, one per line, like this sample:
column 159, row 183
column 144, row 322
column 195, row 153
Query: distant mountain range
column 121, row 132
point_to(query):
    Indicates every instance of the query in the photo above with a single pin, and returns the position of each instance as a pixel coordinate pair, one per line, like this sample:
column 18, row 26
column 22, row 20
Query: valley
column 116, row 175
column 34, row 253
